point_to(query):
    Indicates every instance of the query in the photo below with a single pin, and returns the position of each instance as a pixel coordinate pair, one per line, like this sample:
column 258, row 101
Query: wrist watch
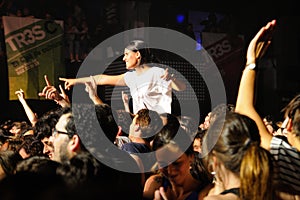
column 250, row 66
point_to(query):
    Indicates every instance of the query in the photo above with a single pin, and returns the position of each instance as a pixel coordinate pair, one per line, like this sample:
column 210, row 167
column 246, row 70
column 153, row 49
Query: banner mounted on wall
column 34, row 48
column 227, row 51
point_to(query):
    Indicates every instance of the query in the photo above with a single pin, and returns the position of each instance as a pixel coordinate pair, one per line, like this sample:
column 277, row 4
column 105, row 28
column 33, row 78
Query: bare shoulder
column 155, row 179
column 221, row 197
column 152, row 183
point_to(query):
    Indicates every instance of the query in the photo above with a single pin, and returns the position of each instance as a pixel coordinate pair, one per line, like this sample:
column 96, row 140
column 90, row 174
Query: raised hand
column 167, row 76
column 20, row 94
column 176, row 84
column 125, row 98
column 30, row 114
column 260, row 43
column 68, row 82
column 63, row 94
column 50, row 92
column 91, row 89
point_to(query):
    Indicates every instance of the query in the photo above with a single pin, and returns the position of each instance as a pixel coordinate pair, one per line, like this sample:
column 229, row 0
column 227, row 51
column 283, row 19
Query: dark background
column 278, row 79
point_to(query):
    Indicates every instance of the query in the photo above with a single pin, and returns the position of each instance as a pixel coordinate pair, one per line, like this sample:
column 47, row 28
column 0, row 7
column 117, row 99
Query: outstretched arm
column 30, row 114
column 245, row 99
column 101, row 79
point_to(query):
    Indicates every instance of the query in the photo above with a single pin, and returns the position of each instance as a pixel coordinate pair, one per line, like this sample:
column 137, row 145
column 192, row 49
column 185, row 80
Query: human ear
column 138, row 55
column 74, row 143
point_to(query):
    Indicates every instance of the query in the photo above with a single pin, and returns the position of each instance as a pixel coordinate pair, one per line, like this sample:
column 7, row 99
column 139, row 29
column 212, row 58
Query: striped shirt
column 287, row 164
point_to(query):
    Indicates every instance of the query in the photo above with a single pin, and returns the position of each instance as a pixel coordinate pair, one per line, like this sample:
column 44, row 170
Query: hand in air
column 167, row 76
column 50, row 92
column 20, row 94
column 260, row 43
column 91, row 87
column 68, row 82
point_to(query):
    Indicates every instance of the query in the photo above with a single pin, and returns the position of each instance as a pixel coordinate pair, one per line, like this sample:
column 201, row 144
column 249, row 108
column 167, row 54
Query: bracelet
column 173, row 78
column 250, row 66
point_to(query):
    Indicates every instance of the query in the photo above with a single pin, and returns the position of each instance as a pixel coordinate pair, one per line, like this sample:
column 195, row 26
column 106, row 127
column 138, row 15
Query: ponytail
column 256, row 174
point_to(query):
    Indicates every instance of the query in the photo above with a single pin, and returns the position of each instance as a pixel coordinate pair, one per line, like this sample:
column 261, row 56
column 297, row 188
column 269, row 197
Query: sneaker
column 73, row 60
column 78, row 60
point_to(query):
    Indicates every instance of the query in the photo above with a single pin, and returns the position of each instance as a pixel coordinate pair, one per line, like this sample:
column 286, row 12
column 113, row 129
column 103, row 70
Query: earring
column 214, row 176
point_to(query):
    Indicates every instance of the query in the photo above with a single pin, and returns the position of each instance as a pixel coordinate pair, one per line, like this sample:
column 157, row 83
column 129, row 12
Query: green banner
column 34, row 48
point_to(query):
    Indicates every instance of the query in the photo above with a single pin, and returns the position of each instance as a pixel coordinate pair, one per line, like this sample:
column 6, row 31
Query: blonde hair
column 256, row 174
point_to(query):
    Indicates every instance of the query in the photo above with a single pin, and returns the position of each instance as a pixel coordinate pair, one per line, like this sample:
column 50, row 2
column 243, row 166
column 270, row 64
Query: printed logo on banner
column 34, row 48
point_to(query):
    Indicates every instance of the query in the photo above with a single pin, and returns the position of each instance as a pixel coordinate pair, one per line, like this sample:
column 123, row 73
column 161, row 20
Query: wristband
column 251, row 66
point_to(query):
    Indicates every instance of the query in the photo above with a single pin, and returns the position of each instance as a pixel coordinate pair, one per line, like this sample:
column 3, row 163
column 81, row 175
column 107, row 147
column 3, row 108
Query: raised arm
column 101, row 79
column 125, row 100
column 91, row 89
column 30, row 114
column 245, row 99
column 50, row 92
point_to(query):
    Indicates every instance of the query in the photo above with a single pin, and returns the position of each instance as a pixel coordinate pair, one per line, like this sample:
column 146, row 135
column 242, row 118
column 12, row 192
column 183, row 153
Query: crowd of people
column 147, row 152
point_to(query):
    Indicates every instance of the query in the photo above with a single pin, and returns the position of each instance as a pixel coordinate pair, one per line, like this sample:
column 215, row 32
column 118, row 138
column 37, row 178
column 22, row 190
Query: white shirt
column 149, row 90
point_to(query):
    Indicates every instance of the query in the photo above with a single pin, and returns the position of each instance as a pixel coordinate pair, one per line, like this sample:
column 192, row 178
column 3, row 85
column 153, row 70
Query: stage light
column 180, row 18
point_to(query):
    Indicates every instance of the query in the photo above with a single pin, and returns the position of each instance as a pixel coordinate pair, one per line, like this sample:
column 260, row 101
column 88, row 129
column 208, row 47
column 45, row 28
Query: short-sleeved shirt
column 149, row 90
column 287, row 164
column 133, row 147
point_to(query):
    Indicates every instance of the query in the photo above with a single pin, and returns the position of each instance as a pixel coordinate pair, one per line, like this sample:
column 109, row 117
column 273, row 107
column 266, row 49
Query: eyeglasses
column 55, row 132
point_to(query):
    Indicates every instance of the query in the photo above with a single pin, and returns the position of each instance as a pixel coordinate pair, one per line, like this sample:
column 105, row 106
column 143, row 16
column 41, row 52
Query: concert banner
column 34, row 48
column 228, row 53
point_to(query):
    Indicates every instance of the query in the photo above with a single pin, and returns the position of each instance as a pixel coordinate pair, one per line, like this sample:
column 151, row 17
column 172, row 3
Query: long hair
column 234, row 139
column 256, row 174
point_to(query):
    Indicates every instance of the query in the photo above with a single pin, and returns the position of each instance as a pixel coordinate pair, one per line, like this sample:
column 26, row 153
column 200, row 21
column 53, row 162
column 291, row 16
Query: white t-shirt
column 149, row 90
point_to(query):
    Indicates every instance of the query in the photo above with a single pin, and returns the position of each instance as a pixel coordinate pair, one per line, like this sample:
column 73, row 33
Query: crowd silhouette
column 73, row 151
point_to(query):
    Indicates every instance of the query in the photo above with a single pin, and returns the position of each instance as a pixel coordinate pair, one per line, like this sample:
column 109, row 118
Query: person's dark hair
column 270, row 121
column 9, row 160
column 40, row 172
column 199, row 171
column 189, row 124
column 171, row 121
column 147, row 57
column 46, row 123
column 166, row 137
column 234, row 139
column 31, row 145
column 221, row 109
column 86, row 177
column 82, row 169
column 22, row 125
column 124, row 119
column 13, row 144
column 107, row 121
column 41, row 165
column 3, row 135
column 200, row 134
column 71, row 125
column 149, row 122
column 292, row 110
